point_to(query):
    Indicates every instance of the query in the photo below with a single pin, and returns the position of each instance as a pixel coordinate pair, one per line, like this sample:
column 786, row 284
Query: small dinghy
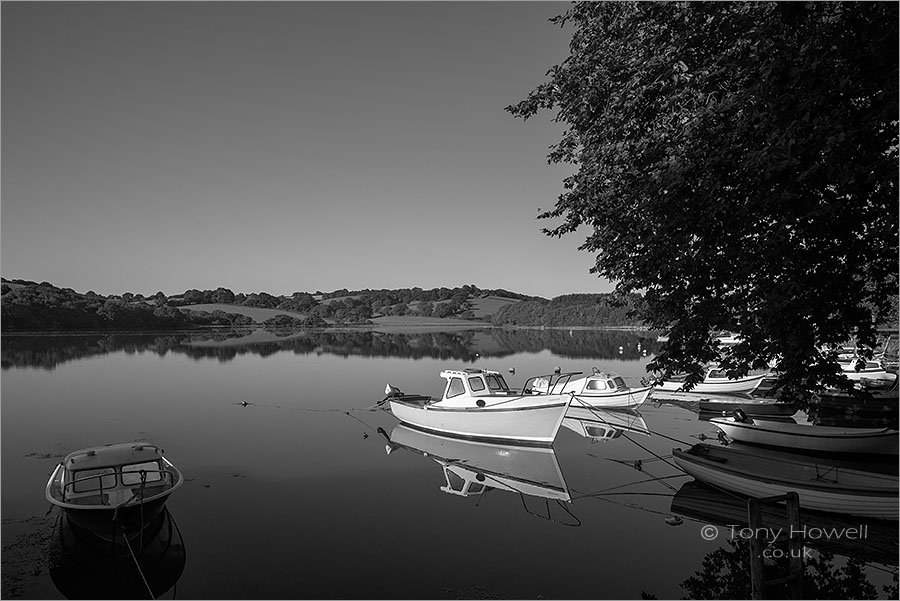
column 478, row 404
column 715, row 380
column 809, row 437
column 114, row 491
column 822, row 485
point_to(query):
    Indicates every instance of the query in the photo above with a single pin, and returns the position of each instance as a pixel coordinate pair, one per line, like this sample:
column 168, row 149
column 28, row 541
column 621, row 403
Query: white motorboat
column 478, row 404
column 871, row 370
column 114, row 490
column 598, row 424
column 715, row 380
column 604, row 389
column 809, row 437
column 820, row 484
column 473, row 467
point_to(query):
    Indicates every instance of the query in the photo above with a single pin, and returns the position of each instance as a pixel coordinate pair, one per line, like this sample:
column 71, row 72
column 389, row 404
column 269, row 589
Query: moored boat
column 715, row 380
column 810, row 437
column 604, row 389
column 871, row 370
column 114, row 491
column 479, row 404
column 726, row 404
column 820, row 484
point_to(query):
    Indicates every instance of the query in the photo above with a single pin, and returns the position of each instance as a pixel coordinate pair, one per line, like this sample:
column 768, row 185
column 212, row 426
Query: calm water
column 295, row 496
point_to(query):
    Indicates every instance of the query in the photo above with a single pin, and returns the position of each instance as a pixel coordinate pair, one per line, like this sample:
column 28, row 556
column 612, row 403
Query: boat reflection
column 867, row 540
column 599, row 425
column 474, row 467
column 84, row 567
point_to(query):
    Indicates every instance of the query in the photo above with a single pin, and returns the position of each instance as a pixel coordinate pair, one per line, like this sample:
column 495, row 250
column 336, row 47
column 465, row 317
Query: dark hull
column 109, row 524
column 726, row 408
column 82, row 568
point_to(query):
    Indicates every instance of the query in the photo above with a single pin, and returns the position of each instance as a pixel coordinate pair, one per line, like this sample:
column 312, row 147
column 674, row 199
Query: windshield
column 496, row 383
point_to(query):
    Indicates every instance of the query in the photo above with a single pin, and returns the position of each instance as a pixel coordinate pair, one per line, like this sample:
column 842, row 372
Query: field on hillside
column 257, row 314
column 489, row 305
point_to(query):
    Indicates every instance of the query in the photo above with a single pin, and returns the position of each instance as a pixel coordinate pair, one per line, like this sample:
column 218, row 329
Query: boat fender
column 674, row 520
column 740, row 416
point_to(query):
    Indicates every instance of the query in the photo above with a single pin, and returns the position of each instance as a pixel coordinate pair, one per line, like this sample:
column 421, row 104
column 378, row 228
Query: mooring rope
column 137, row 565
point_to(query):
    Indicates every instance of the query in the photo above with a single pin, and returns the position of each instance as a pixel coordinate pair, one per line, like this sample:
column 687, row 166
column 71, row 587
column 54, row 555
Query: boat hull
column 535, row 420
column 625, row 398
column 750, row 407
column 747, row 385
column 819, row 486
column 877, row 441
column 114, row 522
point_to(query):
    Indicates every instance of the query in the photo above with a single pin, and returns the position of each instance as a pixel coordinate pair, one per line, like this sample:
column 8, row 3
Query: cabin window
column 455, row 388
column 476, row 384
column 88, row 480
column 716, row 373
column 596, row 385
column 455, row 481
column 617, row 383
column 598, row 432
column 496, row 382
column 131, row 474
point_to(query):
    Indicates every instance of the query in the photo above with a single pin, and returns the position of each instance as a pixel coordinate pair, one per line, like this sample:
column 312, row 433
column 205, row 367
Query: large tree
column 736, row 162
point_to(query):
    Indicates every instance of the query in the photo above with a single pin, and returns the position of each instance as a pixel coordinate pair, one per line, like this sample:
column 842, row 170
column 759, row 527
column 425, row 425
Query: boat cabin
column 604, row 382
column 462, row 384
column 114, row 474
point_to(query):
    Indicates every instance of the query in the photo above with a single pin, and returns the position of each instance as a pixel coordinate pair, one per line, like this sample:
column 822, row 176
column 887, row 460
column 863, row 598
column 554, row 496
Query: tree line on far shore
column 31, row 306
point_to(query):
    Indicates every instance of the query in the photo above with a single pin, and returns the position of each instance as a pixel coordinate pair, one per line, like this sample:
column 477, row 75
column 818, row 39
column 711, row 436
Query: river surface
column 290, row 491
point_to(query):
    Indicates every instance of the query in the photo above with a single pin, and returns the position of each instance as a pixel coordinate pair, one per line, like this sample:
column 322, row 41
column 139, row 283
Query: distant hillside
column 32, row 306
column 572, row 310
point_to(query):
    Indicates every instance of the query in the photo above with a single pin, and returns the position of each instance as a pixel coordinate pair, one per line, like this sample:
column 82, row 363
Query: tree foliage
column 737, row 162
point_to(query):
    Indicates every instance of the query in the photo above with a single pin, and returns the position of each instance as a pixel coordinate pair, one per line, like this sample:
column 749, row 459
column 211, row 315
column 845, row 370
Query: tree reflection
column 47, row 352
column 725, row 574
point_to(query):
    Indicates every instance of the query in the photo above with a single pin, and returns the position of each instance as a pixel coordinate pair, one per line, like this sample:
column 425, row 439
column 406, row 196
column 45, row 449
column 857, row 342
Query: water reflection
column 84, row 567
column 48, row 352
column 474, row 468
column 870, row 540
column 598, row 425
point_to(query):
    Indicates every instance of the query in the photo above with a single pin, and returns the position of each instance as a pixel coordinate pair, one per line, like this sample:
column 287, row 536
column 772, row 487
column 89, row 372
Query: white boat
column 810, row 437
column 821, row 486
column 478, row 404
column 114, row 490
column 715, row 380
column 598, row 424
column 604, row 389
column 474, row 467
column 871, row 370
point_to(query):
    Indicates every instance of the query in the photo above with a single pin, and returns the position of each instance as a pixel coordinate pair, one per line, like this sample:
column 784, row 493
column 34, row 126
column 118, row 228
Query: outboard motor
column 740, row 416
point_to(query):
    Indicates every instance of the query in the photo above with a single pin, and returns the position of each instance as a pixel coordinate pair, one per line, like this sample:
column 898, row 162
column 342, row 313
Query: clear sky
column 281, row 147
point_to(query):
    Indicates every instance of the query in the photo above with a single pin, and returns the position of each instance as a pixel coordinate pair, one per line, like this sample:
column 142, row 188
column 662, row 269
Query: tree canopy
column 736, row 162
